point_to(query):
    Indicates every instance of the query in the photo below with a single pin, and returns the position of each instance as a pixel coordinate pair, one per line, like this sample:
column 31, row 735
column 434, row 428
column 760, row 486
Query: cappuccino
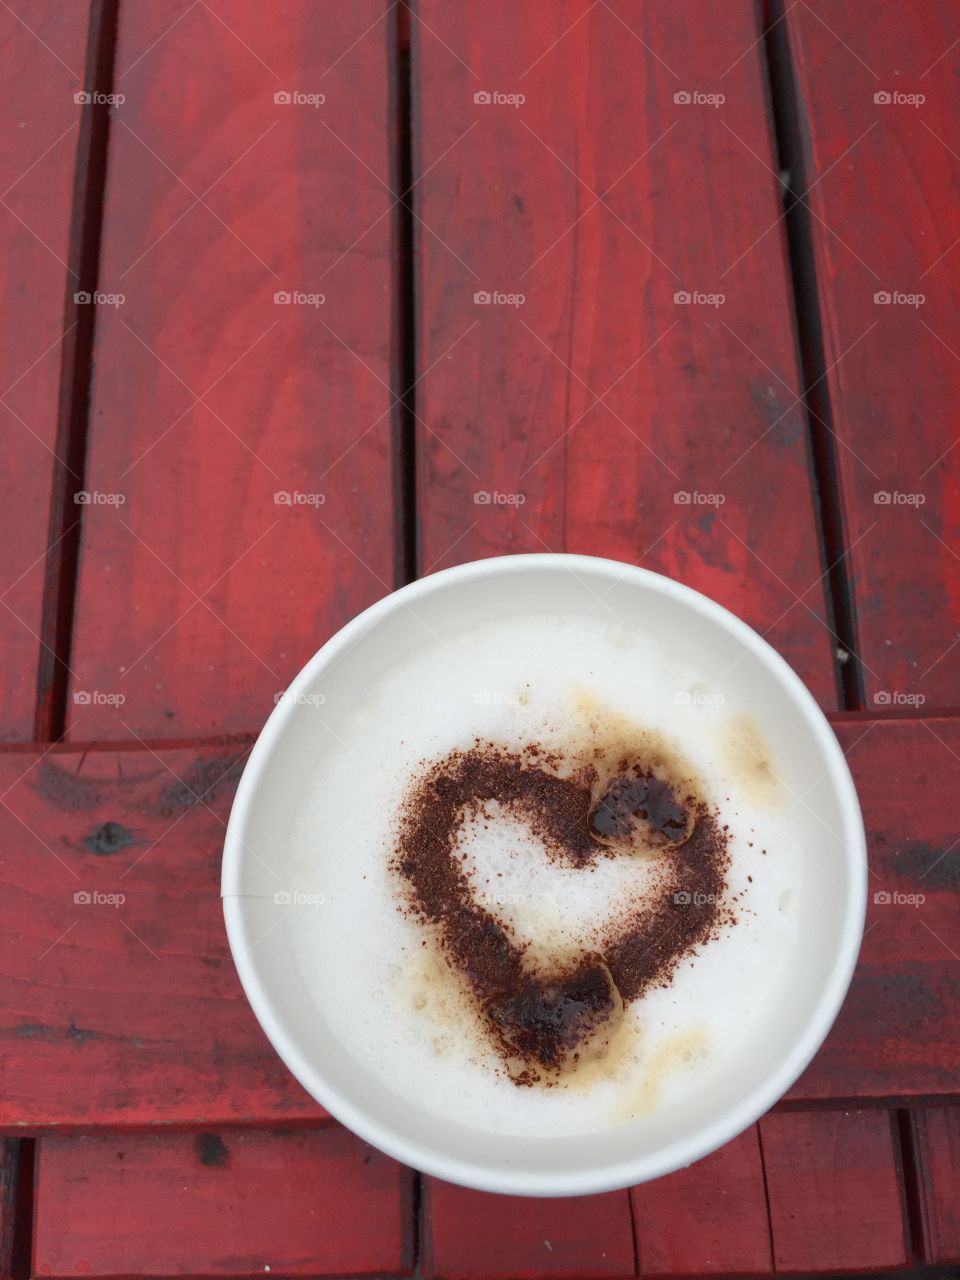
column 553, row 874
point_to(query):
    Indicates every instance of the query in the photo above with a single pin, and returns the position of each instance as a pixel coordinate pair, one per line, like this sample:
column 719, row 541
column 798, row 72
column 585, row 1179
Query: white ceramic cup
column 832, row 900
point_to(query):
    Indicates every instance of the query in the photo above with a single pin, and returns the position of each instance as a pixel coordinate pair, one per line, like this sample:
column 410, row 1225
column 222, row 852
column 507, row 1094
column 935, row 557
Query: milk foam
column 395, row 1003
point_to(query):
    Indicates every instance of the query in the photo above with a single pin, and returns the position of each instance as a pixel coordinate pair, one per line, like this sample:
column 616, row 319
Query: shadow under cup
column 831, row 898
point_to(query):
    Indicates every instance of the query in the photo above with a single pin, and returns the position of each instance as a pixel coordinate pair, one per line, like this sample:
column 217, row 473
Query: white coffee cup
column 811, row 766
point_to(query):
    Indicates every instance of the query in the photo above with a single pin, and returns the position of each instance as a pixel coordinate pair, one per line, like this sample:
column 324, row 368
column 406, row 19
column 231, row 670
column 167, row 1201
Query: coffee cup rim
column 508, row 1179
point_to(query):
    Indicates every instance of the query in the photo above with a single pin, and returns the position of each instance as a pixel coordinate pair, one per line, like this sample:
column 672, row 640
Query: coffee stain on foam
column 751, row 760
column 681, row 1053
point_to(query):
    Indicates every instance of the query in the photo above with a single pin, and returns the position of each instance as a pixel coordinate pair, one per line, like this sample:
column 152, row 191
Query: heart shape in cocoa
column 543, row 1014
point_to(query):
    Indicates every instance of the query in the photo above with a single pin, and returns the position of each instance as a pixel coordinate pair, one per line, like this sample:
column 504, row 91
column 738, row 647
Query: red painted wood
column 936, row 1134
column 230, row 1204
column 200, row 596
column 709, row 1219
column 898, row 1033
column 8, row 1188
column 597, row 401
column 468, row 1234
column 132, row 1015
column 833, row 1190
column 885, row 220
column 44, row 48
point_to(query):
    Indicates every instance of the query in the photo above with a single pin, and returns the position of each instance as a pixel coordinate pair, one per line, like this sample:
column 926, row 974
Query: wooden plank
column 131, row 1015
column 469, row 1234
column 8, row 1204
column 883, row 173
column 592, row 408
column 898, row 1033
column 683, row 1223
column 231, row 1204
column 124, row 1013
column 210, row 397
column 44, row 47
column 936, row 1141
column 834, row 1191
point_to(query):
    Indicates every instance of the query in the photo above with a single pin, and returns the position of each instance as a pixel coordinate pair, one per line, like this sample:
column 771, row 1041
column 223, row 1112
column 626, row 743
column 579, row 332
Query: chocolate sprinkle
column 540, row 1017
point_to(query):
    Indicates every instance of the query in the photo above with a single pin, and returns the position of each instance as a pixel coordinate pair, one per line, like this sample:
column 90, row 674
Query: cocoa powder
column 540, row 1017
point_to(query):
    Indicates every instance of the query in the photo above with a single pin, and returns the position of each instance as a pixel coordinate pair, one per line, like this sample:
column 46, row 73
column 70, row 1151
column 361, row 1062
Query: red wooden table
column 683, row 274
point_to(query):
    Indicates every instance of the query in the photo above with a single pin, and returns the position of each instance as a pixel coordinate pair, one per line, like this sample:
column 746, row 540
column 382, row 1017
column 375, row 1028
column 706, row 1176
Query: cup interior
column 831, row 901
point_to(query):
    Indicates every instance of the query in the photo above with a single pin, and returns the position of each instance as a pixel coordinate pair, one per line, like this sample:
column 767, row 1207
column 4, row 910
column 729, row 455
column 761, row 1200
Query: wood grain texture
column 898, row 1033
column 231, row 1204
column 600, row 414
column 43, row 47
column 132, row 1015
column 124, row 1013
column 834, row 1191
column 882, row 173
column 468, row 1234
column 936, row 1143
column 200, row 592
column 708, row 1219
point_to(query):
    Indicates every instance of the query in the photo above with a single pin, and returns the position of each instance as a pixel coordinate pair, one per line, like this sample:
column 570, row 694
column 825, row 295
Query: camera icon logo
column 882, row 898
column 681, row 899
column 882, row 298
column 82, row 898
column 82, row 98
column 482, row 498
column 282, row 98
column 681, row 298
column 482, row 98
column 82, row 698
column 682, row 98
column 682, row 498
column 81, row 498
column 482, row 298
column 882, row 698
column 281, row 298
column 882, row 98
column 82, row 297
column 881, row 498
column 282, row 898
